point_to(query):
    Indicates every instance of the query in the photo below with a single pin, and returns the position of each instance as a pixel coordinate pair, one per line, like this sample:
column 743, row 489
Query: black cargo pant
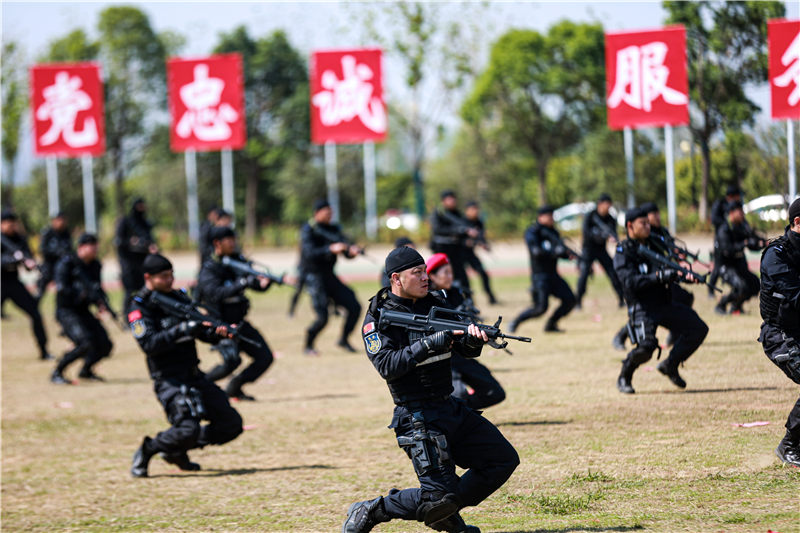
column 324, row 287
column 452, row 435
column 687, row 328
column 679, row 296
column 187, row 401
column 46, row 272
column 473, row 261
column 544, row 285
column 784, row 351
column 261, row 357
column 744, row 284
column 132, row 276
column 11, row 288
column 486, row 390
column 89, row 336
column 590, row 255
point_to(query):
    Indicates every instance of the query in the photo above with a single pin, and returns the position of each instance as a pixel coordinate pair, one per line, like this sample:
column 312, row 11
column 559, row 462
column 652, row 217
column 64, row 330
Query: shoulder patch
column 138, row 328
column 134, row 315
column 369, row 327
column 373, row 343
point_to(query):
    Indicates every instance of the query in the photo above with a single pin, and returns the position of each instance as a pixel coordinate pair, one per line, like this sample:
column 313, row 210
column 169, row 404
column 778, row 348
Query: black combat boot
column 435, row 510
column 235, row 392
column 181, row 460
column 624, row 379
column 454, row 524
column 142, row 458
column 671, row 371
column 344, row 345
column 58, row 378
column 363, row 516
column 552, row 327
column 788, row 450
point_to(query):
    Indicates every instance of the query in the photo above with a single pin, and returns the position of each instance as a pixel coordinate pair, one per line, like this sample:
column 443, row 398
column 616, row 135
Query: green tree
column 544, row 91
column 727, row 49
column 14, row 101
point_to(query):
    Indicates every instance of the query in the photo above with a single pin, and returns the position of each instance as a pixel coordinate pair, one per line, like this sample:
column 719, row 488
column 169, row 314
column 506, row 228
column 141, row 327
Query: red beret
column 435, row 261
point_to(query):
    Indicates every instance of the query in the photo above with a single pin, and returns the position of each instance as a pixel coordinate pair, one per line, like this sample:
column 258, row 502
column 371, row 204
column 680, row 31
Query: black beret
column 734, row 205
column 60, row 214
column 794, row 210
column 605, row 197
column 471, row 203
column 87, row 238
column 401, row 259
column 633, row 213
column 403, row 241
column 8, row 215
column 732, row 190
column 221, row 232
column 545, row 209
column 649, row 207
column 448, row 192
column 155, row 263
column 322, row 203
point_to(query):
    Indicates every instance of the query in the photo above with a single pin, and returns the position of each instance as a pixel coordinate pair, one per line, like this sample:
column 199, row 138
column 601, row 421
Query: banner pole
column 227, row 181
column 191, row 193
column 89, row 216
column 670, row 157
column 331, row 179
column 628, row 141
column 51, row 165
column 790, row 155
column 370, row 193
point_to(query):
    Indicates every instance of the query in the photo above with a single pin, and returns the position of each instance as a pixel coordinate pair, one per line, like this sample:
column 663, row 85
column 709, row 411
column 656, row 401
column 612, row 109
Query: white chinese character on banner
column 642, row 78
column 351, row 97
column 205, row 118
column 62, row 102
column 791, row 60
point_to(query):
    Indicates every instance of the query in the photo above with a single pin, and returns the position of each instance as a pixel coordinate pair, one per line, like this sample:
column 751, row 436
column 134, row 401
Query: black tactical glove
column 190, row 327
column 667, row 275
column 472, row 341
column 438, row 342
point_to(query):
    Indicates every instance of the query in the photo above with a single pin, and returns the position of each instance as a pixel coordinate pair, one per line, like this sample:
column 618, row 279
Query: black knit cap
column 605, row 197
column 732, row 190
column 649, row 207
column 736, row 204
column 8, row 215
column 401, row 259
column 403, row 241
column 633, row 213
column 322, row 203
column 221, row 232
column 155, row 263
column 794, row 210
column 87, row 238
column 448, row 192
column 545, row 210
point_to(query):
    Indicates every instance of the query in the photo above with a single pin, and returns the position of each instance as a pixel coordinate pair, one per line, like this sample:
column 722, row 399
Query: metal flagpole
column 89, row 217
column 670, row 157
column 51, row 165
column 370, row 193
column 227, row 181
column 331, row 179
column 191, row 193
column 790, row 147
column 628, row 141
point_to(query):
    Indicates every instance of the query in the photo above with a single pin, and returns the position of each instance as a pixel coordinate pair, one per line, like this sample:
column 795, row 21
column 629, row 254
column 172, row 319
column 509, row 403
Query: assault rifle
column 339, row 237
column 441, row 319
column 463, row 226
column 187, row 311
column 606, row 231
column 246, row 269
column 97, row 295
column 644, row 251
column 20, row 255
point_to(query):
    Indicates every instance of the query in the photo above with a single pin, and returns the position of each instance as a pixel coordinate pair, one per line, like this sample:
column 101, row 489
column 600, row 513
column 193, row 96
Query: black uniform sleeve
column 441, row 225
column 152, row 339
column 718, row 213
column 213, row 287
column 391, row 360
column 534, row 242
column 311, row 250
column 121, row 236
column 786, row 279
column 627, row 268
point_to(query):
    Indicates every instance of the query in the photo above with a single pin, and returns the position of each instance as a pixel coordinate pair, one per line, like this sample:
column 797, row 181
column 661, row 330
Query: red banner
column 784, row 68
column 206, row 103
column 67, row 104
column 347, row 103
column 646, row 78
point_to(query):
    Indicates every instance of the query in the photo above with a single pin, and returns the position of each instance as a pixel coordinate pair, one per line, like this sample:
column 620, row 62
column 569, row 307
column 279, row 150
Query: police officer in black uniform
column 648, row 293
column 437, row 431
column 77, row 287
column 56, row 242
column 660, row 239
column 545, row 248
column 183, row 390
column 598, row 228
column 732, row 238
column 719, row 217
column 472, row 216
column 16, row 253
column 321, row 243
column 134, row 240
column 449, row 232
column 780, row 309
column 221, row 290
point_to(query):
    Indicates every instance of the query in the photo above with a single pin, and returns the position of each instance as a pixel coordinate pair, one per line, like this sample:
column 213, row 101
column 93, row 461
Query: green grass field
column 592, row 459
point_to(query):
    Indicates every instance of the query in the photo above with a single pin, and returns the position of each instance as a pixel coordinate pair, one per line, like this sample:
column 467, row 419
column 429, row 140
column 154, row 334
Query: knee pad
column 643, row 352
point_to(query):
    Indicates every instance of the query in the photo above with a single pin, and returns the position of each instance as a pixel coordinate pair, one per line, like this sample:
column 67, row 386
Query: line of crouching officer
column 222, row 291
column 647, row 288
column 186, row 395
column 437, row 431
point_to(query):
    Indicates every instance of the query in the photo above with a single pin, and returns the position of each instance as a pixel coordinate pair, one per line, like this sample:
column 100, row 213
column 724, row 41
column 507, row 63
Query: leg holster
column 427, row 449
column 191, row 399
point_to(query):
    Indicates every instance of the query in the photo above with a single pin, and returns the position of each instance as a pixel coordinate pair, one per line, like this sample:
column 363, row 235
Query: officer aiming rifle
column 679, row 273
column 247, row 269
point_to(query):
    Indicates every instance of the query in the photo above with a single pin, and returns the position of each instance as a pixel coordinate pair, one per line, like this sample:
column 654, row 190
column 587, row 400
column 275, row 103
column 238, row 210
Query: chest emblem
column 373, row 343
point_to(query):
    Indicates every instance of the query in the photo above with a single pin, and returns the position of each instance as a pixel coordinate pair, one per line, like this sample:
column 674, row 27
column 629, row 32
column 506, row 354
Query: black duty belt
column 413, row 405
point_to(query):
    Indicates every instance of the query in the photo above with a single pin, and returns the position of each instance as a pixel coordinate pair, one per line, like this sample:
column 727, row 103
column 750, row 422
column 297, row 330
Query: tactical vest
column 775, row 307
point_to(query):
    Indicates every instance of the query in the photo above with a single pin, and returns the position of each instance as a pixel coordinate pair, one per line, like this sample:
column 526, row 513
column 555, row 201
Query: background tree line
column 532, row 125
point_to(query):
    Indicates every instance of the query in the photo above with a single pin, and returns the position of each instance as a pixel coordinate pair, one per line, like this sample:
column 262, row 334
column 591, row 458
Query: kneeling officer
column 183, row 390
column 437, row 431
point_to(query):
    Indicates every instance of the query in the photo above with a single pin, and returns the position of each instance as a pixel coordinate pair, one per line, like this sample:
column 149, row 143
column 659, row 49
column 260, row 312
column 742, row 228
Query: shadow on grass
column 704, row 391
column 578, row 528
column 536, row 423
column 316, row 397
column 245, row 471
